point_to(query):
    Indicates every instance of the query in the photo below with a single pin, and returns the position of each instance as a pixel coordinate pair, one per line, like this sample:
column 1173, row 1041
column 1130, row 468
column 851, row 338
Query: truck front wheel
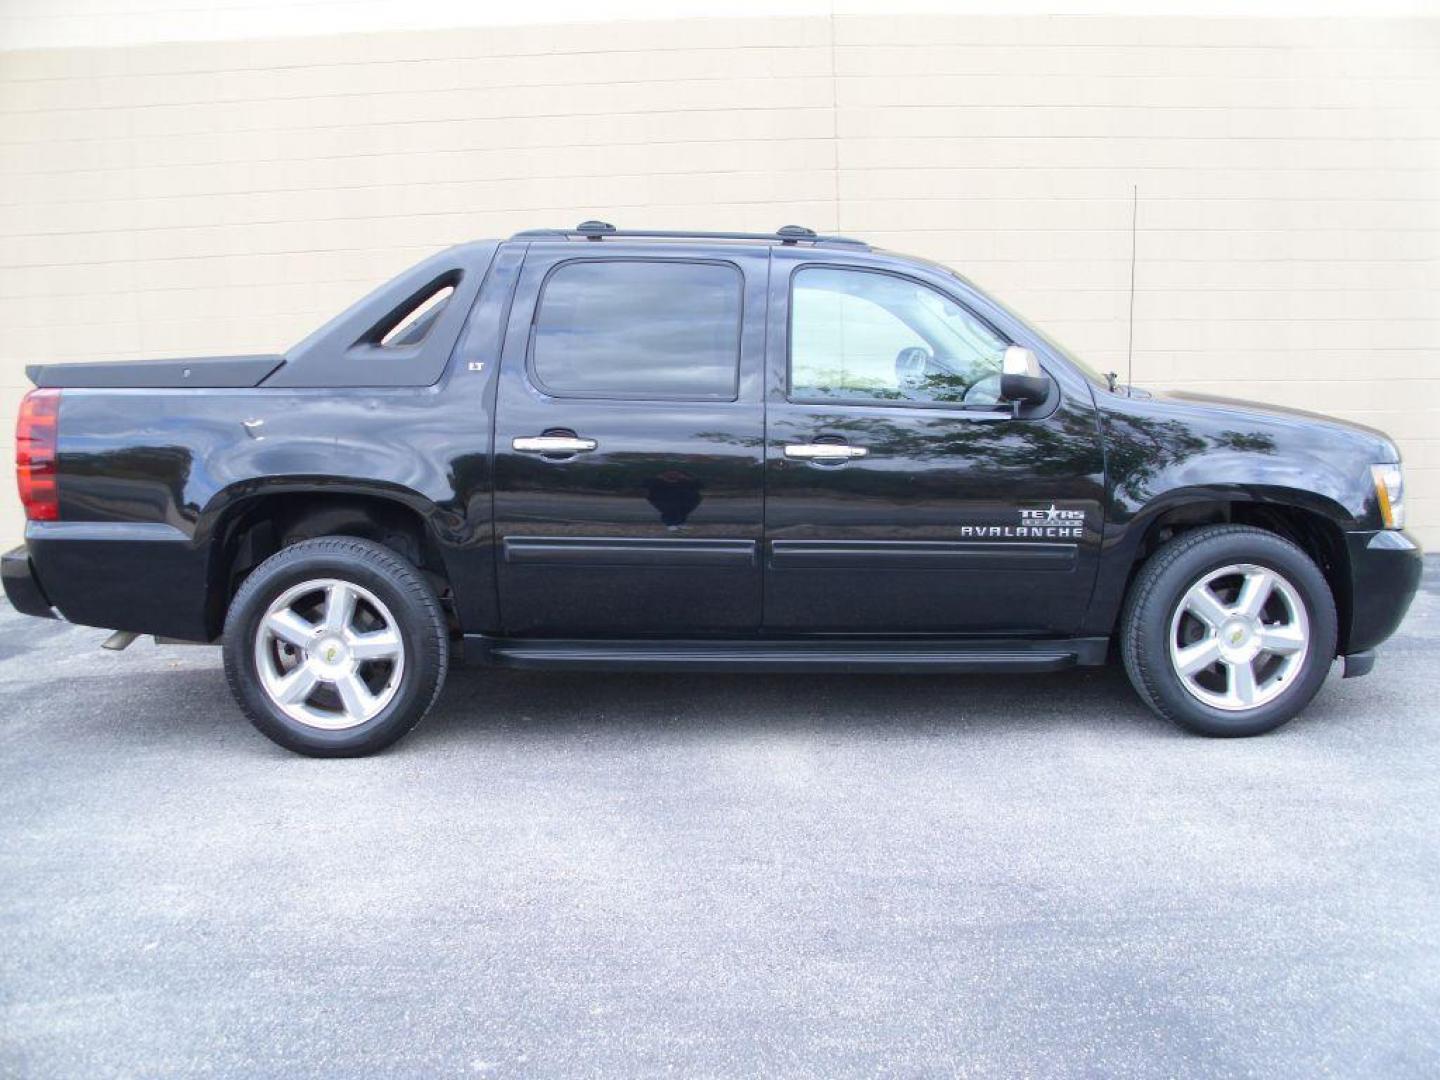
column 1228, row 630
column 335, row 647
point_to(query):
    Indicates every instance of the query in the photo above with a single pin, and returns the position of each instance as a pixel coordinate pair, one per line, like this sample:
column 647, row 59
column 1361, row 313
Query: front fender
column 1164, row 456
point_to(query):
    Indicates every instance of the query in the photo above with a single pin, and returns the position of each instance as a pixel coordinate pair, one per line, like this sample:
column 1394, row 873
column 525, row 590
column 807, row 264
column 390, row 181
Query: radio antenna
column 1130, row 341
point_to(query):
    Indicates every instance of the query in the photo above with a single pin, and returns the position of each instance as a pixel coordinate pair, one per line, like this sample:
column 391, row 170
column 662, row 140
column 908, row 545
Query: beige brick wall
column 215, row 197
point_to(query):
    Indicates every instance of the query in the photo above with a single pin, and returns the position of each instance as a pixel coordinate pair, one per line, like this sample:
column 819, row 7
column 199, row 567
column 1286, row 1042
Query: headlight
column 1390, row 493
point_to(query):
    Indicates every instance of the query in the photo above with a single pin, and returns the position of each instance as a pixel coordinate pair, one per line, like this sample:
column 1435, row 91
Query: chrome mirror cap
column 1022, row 380
column 1019, row 360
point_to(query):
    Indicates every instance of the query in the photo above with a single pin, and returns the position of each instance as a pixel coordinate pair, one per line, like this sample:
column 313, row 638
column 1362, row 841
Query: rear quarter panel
column 148, row 477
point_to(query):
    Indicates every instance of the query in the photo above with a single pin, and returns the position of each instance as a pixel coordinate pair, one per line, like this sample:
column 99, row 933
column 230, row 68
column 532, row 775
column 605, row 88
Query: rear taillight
column 35, row 438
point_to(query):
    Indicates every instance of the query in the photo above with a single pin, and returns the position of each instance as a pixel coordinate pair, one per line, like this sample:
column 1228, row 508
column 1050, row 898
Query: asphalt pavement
column 729, row 876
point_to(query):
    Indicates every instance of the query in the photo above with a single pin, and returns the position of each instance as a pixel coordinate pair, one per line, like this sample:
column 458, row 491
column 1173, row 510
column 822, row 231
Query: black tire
column 1161, row 585
column 412, row 605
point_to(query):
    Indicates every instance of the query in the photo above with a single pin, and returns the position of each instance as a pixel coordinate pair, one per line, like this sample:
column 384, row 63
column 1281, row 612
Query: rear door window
column 639, row 329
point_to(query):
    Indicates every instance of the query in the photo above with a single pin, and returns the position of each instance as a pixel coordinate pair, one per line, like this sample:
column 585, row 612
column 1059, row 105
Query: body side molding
column 922, row 555
column 623, row 551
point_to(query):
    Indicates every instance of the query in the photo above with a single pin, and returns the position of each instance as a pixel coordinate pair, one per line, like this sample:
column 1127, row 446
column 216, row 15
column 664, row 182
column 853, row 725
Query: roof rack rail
column 602, row 230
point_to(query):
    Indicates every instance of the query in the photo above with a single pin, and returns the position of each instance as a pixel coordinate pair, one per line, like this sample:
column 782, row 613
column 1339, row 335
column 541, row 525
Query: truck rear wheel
column 335, row 647
column 1228, row 630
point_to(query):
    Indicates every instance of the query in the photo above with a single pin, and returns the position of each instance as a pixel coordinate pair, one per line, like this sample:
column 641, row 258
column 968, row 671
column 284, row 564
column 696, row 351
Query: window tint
column 651, row 329
column 859, row 335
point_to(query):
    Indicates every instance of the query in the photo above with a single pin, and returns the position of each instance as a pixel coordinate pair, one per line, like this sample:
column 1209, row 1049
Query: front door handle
column 824, row 451
column 553, row 444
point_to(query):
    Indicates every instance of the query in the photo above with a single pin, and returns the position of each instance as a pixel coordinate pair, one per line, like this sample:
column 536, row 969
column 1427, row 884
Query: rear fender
column 242, row 504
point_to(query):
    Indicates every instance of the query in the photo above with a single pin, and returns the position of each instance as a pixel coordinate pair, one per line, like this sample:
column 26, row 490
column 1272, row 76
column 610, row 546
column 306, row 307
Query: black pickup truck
column 698, row 451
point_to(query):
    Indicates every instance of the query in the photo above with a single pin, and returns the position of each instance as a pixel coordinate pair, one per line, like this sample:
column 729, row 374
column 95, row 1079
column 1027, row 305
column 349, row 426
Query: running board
column 847, row 654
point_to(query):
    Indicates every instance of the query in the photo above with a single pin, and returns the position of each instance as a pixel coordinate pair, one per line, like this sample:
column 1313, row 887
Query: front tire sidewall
column 1162, row 685
column 418, row 682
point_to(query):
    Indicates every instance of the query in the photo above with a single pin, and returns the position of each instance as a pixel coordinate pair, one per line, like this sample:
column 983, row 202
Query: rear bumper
column 1385, row 569
column 22, row 588
column 144, row 577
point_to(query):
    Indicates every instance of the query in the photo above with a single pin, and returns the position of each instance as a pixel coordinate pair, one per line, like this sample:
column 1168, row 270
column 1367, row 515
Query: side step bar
column 847, row 654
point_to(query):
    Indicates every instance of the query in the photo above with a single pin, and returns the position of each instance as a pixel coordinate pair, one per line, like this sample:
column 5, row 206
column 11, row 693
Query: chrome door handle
column 821, row 451
column 553, row 444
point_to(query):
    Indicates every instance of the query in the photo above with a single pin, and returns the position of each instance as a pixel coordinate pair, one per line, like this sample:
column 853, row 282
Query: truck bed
column 206, row 372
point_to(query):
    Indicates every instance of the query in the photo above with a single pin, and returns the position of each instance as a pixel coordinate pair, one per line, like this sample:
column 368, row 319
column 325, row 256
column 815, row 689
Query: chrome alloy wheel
column 329, row 654
column 1239, row 637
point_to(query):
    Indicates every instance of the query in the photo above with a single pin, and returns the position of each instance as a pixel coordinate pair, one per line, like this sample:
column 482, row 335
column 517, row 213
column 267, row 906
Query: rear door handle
column 822, row 451
column 553, row 444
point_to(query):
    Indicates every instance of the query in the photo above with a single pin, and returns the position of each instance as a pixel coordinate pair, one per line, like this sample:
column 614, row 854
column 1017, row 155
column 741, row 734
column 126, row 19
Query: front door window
column 859, row 336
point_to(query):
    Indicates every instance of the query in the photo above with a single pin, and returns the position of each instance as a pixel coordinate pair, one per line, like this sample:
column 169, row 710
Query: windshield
column 1046, row 338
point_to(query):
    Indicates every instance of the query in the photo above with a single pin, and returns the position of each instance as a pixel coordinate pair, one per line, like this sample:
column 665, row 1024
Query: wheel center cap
column 331, row 651
column 1238, row 639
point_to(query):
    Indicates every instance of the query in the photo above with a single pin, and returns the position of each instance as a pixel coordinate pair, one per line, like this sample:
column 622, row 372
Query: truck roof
column 789, row 235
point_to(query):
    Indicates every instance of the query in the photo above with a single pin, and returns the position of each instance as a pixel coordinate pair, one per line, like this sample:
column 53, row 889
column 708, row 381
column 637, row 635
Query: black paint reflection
column 675, row 494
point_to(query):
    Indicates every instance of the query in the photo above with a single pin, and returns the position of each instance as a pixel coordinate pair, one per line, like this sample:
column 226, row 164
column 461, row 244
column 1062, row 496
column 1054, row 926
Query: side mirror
column 1021, row 379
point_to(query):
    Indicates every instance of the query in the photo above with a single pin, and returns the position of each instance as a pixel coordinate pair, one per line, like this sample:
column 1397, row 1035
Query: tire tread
column 403, row 576
column 1139, row 605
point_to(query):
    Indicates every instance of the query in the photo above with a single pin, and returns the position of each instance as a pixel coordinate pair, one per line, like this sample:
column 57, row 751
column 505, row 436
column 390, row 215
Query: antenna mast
column 1130, row 341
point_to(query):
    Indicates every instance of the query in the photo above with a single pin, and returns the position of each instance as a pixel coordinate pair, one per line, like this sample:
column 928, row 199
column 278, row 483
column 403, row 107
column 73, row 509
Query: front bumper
column 22, row 588
column 1385, row 570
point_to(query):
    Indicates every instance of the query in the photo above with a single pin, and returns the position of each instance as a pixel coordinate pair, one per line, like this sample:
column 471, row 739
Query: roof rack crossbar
column 600, row 230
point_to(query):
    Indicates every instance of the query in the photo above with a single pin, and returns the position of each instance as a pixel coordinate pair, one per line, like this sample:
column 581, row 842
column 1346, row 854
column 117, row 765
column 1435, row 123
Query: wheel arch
column 247, row 524
column 1313, row 522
